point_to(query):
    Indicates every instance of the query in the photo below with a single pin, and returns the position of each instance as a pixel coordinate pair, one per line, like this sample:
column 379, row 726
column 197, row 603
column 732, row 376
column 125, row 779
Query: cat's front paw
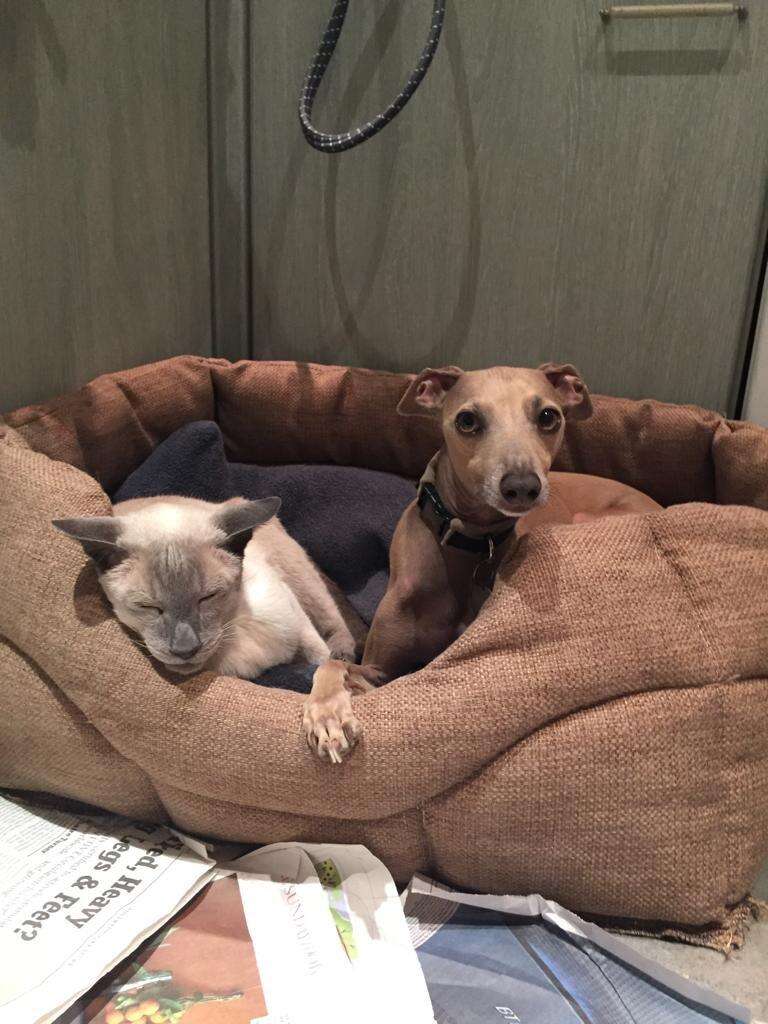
column 342, row 646
column 331, row 727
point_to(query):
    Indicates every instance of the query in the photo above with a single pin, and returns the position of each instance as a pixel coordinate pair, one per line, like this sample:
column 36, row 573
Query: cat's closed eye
column 209, row 597
column 150, row 608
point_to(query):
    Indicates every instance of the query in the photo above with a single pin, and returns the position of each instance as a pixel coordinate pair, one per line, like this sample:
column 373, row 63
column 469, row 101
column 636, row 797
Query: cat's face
column 179, row 598
column 172, row 572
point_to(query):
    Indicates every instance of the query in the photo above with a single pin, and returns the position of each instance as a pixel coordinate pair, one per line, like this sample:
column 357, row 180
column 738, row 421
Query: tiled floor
column 742, row 976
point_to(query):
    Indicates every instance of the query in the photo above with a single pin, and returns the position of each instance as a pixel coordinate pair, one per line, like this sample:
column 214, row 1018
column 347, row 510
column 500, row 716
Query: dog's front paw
column 366, row 677
column 331, row 727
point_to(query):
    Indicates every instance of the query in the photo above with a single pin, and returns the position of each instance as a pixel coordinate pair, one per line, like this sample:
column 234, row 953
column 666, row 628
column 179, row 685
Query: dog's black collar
column 440, row 521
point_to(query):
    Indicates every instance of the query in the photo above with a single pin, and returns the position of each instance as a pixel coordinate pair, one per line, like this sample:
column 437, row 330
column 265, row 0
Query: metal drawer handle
column 673, row 11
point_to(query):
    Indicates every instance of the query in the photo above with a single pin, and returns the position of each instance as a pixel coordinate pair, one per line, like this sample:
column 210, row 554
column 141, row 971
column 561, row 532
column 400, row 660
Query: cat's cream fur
column 213, row 586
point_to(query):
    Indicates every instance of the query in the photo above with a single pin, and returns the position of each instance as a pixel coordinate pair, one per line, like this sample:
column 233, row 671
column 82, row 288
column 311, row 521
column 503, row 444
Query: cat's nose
column 185, row 643
column 186, row 654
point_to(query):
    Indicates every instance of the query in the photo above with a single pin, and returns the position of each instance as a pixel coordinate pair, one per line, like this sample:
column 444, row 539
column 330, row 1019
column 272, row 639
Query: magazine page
column 330, row 936
column 478, row 970
column 519, row 958
column 200, row 968
column 77, row 892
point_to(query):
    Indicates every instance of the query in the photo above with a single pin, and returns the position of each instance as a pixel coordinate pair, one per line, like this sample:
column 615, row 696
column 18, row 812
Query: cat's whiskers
column 228, row 631
column 235, row 621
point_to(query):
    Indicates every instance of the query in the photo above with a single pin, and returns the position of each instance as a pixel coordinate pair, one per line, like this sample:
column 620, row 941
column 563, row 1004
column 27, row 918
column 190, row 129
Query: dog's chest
column 472, row 581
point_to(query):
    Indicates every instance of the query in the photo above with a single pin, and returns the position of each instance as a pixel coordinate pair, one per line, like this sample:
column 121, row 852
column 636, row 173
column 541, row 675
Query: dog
column 488, row 485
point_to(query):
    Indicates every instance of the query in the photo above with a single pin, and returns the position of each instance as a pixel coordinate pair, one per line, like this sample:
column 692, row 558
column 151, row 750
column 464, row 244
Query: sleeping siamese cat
column 212, row 586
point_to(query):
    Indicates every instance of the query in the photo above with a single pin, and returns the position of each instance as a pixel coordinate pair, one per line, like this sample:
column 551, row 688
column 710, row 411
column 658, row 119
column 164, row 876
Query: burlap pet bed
column 599, row 734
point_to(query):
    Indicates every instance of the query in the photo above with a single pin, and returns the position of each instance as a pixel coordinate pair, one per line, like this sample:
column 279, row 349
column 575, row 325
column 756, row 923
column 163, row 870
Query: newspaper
column 289, row 934
column 77, row 893
column 326, row 893
column 524, row 958
column 108, row 921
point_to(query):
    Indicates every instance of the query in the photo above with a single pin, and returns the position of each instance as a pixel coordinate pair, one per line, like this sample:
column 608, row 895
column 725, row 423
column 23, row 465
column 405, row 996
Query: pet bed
column 599, row 734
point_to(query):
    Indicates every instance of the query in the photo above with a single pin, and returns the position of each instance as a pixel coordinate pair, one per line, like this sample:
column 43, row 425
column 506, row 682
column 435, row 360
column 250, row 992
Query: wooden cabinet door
column 559, row 188
column 104, row 257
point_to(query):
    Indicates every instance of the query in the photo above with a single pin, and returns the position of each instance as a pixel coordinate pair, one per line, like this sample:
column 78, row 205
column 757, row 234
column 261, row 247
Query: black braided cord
column 328, row 143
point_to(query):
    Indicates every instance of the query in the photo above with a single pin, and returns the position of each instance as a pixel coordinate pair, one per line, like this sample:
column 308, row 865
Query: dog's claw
column 330, row 726
column 351, row 731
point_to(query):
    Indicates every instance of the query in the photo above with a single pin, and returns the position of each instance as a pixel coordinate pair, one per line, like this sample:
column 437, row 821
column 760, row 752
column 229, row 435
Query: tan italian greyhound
column 488, row 485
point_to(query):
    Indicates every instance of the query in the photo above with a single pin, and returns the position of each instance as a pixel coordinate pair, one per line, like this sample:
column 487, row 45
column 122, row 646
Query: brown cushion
column 598, row 734
column 49, row 745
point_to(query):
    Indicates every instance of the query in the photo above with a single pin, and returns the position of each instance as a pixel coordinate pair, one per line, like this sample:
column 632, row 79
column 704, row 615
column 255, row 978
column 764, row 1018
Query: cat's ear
column 239, row 519
column 98, row 536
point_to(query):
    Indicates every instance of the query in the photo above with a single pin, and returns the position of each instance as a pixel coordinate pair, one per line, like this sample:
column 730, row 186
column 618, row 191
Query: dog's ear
column 571, row 389
column 427, row 391
column 98, row 536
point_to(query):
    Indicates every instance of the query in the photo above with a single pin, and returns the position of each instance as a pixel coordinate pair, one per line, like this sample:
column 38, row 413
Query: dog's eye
column 209, row 597
column 549, row 420
column 468, row 422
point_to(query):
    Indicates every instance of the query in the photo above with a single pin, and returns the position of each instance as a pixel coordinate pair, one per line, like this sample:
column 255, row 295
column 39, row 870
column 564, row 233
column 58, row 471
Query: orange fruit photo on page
column 199, row 969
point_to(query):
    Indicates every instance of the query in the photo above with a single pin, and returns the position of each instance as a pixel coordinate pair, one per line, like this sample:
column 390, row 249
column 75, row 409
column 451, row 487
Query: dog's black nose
column 524, row 489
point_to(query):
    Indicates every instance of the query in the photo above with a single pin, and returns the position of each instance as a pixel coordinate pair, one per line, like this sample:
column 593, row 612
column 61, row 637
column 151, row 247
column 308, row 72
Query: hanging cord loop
column 328, row 143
